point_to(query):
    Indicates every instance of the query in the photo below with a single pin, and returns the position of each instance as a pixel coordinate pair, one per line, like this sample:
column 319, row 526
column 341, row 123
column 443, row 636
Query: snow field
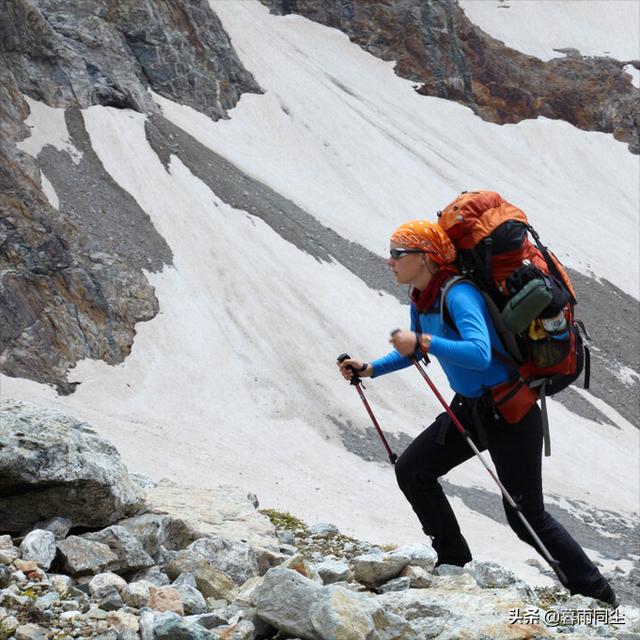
column 234, row 379
column 343, row 137
column 537, row 27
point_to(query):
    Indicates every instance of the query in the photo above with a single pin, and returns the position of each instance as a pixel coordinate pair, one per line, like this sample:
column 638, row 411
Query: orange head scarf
column 431, row 238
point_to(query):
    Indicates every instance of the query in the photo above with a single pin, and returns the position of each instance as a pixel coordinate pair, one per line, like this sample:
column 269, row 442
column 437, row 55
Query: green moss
column 285, row 520
column 5, row 631
column 549, row 596
column 30, row 593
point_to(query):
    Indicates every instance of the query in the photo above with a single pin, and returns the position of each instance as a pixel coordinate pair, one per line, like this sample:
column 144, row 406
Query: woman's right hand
column 348, row 366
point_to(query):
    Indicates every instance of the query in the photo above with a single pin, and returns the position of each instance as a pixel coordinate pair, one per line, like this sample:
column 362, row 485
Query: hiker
column 423, row 256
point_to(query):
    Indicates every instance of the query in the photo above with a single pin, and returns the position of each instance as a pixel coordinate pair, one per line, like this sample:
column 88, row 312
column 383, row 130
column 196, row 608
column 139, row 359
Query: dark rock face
column 434, row 43
column 59, row 300
column 71, row 284
column 75, row 53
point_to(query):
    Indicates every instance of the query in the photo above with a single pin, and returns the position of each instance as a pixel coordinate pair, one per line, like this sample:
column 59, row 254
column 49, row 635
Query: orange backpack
column 528, row 294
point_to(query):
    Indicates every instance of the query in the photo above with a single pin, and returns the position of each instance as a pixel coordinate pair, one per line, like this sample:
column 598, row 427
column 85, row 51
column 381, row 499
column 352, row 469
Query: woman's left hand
column 404, row 342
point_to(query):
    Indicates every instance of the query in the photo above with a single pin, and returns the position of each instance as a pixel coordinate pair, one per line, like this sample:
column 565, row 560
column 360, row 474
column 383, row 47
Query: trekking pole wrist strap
column 362, row 368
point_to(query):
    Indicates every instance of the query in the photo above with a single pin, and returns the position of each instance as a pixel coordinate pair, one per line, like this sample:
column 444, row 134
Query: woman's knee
column 405, row 470
column 535, row 518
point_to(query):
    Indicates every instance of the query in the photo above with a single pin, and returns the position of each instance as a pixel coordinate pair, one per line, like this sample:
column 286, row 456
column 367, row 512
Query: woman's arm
column 468, row 311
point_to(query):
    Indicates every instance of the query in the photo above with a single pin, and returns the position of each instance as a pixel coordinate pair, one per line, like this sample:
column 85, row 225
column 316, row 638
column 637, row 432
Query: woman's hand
column 404, row 342
column 348, row 366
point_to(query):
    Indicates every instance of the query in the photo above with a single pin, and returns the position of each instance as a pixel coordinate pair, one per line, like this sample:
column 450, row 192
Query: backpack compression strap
column 513, row 355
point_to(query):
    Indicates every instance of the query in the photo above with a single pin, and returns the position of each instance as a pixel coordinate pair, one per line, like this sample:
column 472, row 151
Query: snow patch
column 634, row 73
column 540, row 27
column 48, row 127
column 49, row 191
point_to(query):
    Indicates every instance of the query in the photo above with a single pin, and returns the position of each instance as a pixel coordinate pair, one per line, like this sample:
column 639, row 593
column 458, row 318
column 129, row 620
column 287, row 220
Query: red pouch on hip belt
column 513, row 399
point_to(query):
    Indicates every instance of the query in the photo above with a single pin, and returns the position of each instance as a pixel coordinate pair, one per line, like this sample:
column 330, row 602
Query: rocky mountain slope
column 87, row 552
column 437, row 46
column 72, row 283
column 82, row 235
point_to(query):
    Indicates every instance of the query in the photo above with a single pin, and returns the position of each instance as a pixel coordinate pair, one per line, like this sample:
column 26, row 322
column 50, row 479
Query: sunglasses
column 396, row 254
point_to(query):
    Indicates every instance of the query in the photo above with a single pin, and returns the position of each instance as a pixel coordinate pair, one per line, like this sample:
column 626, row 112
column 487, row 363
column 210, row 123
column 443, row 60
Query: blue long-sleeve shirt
column 466, row 354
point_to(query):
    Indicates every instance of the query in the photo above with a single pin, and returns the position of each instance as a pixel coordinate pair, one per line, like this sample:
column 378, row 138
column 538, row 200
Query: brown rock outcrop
column 434, row 43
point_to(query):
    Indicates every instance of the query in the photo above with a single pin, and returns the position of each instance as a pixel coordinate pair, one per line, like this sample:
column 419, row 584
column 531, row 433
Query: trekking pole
column 553, row 563
column 357, row 383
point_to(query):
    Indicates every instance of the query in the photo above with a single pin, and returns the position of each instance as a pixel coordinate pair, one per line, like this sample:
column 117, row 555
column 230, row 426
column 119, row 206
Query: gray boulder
column 374, row 569
column 323, row 530
column 170, row 626
column 154, row 575
column 58, row 526
column 301, row 607
column 191, row 513
column 397, row 584
column 85, row 557
column 55, row 465
column 235, row 559
column 40, row 546
column 490, row 575
column 193, row 601
column 285, row 599
column 334, row 571
column 130, row 553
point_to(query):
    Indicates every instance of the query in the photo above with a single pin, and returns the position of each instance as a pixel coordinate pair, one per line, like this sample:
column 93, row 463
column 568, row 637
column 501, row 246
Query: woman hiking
column 422, row 256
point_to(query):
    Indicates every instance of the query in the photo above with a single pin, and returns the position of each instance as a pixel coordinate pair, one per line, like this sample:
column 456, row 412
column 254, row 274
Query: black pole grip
column 355, row 377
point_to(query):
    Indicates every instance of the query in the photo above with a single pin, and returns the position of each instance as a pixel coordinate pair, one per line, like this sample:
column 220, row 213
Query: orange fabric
column 428, row 236
column 473, row 215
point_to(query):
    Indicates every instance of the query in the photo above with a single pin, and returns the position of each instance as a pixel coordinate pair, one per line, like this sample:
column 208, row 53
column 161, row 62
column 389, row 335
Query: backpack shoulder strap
column 507, row 337
column 445, row 316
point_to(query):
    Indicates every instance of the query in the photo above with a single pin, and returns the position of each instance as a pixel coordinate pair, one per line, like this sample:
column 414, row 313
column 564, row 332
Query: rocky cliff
column 72, row 282
column 437, row 46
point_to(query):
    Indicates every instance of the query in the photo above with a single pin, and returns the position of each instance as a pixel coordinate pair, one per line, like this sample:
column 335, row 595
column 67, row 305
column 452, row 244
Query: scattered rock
column 136, row 594
column 31, row 632
column 419, row 578
column 210, row 581
column 40, row 546
column 165, row 599
column 154, row 575
column 490, row 575
column 60, row 527
column 82, row 557
column 374, row 569
column 299, row 563
column 103, row 583
column 397, row 584
column 334, row 571
column 228, row 512
column 323, row 530
column 128, row 550
column 237, row 560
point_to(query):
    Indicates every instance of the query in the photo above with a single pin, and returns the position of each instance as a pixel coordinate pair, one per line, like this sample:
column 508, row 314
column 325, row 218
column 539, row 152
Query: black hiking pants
column 516, row 451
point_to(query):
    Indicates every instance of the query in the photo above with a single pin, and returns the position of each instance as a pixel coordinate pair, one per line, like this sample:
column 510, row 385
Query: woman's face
column 410, row 268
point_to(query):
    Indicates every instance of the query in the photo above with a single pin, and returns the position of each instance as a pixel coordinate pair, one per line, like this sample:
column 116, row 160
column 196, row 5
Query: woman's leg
column 417, row 472
column 516, row 451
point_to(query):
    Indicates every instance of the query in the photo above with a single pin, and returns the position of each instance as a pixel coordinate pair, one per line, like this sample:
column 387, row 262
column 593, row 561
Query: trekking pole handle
column 355, row 377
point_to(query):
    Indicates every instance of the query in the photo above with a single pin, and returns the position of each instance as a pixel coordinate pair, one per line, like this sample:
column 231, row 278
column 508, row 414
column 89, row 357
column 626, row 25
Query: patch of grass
column 284, row 520
column 549, row 596
column 306, row 543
